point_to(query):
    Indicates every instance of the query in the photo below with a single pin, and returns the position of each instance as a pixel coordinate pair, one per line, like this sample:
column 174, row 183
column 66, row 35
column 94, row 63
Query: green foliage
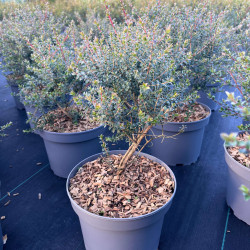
column 49, row 81
column 237, row 8
column 239, row 78
column 137, row 76
column 205, row 32
column 2, row 128
column 19, row 27
column 246, row 192
column 238, row 106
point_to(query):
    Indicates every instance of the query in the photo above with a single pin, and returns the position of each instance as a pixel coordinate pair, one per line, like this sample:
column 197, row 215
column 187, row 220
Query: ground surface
column 199, row 218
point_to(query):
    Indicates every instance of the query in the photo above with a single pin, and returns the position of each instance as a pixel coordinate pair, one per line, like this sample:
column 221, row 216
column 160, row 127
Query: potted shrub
column 185, row 147
column 206, row 33
column 20, row 24
column 237, row 145
column 133, row 72
column 68, row 131
column 187, row 25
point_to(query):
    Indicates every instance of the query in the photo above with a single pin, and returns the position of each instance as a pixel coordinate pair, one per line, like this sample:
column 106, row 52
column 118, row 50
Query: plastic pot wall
column 138, row 233
column 237, row 175
column 65, row 150
column 185, row 148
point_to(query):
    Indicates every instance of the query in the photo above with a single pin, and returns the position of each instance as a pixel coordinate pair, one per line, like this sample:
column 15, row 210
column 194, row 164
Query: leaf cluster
column 205, row 33
column 49, row 79
column 19, row 27
column 4, row 127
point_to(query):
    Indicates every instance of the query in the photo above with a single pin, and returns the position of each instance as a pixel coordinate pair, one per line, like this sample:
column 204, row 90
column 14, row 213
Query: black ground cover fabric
column 199, row 218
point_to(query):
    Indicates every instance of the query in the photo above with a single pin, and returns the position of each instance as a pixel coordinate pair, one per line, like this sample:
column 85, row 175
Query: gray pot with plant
column 182, row 143
column 237, row 145
column 131, row 95
column 68, row 131
column 238, row 175
column 141, row 232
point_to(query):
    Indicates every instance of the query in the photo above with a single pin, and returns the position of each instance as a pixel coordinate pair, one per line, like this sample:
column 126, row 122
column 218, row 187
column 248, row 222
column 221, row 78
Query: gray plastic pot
column 65, row 150
column 15, row 91
column 237, row 175
column 185, row 148
column 104, row 233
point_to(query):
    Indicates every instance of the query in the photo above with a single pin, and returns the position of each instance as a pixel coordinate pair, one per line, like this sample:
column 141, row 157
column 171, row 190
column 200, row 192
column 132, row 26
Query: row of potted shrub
column 139, row 79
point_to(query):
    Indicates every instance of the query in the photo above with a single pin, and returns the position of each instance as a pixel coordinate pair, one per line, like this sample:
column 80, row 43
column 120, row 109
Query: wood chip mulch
column 243, row 159
column 188, row 113
column 60, row 122
column 143, row 187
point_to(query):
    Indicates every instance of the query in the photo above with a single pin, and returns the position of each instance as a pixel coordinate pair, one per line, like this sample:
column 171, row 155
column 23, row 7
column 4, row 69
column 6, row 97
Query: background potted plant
column 68, row 131
column 29, row 22
column 205, row 32
column 237, row 145
column 132, row 73
column 185, row 147
column 192, row 27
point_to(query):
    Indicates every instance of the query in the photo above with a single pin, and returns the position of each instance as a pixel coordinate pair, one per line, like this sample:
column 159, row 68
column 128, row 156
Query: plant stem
column 131, row 150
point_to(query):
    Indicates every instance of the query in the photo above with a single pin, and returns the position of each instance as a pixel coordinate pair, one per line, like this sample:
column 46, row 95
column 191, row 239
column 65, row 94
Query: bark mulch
column 143, row 187
column 68, row 120
column 188, row 113
column 243, row 159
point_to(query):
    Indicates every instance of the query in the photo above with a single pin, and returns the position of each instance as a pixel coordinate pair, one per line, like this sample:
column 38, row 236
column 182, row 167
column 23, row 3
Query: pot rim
column 72, row 133
column 199, row 121
column 123, row 219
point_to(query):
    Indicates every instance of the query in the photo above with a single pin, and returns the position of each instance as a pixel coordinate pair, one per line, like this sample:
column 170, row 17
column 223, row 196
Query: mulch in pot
column 188, row 113
column 243, row 159
column 143, row 187
column 67, row 120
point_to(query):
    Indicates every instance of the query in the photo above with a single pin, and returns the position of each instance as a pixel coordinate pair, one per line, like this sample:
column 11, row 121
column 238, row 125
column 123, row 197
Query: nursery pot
column 105, row 233
column 65, row 150
column 237, row 175
column 207, row 101
column 15, row 91
column 185, row 148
